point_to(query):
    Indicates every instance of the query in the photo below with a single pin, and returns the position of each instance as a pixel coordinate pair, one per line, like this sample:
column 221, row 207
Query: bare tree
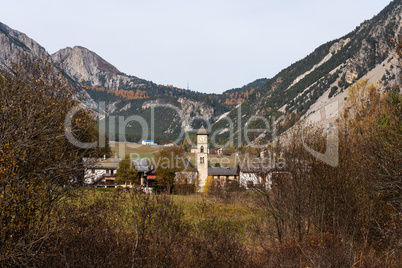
column 36, row 159
column 287, row 200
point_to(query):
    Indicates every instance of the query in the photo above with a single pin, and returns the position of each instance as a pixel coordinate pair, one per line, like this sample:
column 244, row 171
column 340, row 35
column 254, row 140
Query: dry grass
column 112, row 228
column 127, row 148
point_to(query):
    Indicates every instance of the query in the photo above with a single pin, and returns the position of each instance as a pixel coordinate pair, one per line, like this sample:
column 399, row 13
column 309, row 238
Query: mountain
column 127, row 95
column 135, row 106
column 85, row 67
column 253, row 85
column 13, row 43
column 322, row 77
column 301, row 90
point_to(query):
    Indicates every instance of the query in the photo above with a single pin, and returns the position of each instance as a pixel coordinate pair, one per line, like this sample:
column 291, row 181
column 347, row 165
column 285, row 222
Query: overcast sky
column 214, row 45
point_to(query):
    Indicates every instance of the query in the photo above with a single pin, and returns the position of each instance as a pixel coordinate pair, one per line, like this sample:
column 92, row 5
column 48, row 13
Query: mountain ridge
column 13, row 43
column 296, row 91
column 100, row 81
column 331, row 68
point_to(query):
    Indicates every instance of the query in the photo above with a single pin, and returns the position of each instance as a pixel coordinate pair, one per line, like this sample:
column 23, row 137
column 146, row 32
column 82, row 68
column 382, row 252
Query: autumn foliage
column 354, row 207
column 124, row 94
column 37, row 161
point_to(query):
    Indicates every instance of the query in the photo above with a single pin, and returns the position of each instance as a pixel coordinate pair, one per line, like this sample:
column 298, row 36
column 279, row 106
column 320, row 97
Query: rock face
column 192, row 109
column 86, row 67
column 302, row 88
column 326, row 74
column 13, row 43
column 82, row 64
column 129, row 93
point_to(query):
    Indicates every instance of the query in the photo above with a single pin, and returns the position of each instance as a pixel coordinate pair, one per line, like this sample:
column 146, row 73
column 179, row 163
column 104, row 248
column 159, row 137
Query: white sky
column 214, row 44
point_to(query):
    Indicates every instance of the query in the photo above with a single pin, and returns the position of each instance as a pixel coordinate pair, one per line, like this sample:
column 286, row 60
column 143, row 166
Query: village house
column 254, row 175
column 221, row 150
column 248, row 175
column 170, row 144
column 143, row 167
column 102, row 172
column 223, row 175
column 150, row 178
column 186, row 177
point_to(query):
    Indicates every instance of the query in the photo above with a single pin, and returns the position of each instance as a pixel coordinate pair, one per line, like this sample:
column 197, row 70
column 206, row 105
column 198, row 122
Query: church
column 218, row 174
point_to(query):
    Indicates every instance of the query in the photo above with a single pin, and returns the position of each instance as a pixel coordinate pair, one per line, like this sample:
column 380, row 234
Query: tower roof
column 202, row 131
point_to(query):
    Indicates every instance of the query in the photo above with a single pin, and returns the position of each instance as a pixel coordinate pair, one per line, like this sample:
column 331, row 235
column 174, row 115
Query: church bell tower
column 202, row 157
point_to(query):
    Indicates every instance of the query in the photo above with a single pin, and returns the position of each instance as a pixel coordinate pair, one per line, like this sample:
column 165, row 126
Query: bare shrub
column 37, row 162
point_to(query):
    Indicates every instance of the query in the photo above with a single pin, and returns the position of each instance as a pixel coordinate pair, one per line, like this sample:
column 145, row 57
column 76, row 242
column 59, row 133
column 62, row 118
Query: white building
column 256, row 175
column 101, row 171
column 148, row 142
column 202, row 157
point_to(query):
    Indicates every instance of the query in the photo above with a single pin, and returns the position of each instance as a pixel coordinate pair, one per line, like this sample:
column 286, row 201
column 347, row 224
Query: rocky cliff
column 324, row 76
column 86, row 67
column 13, row 43
column 300, row 90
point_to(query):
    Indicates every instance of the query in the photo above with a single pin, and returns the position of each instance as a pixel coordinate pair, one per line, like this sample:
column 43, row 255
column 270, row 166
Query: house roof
column 187, row 163
column 223, row 171
column 151, row 172
column 202, row 131
column 141, row 164
column 101, row 163
column 256, row 167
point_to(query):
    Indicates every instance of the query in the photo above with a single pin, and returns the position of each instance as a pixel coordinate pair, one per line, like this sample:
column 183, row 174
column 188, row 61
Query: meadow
column 116, row 228
column 123, row 149
column 109, row 228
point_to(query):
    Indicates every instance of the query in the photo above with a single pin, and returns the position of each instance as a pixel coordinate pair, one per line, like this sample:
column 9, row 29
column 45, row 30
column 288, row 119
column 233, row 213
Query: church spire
column 202, row 131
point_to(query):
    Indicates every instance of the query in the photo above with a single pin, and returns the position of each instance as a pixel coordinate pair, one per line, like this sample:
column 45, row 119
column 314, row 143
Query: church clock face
column 201, row 139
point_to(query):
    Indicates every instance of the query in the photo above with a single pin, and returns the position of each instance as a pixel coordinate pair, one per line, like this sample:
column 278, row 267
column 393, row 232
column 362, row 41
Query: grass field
column 239, row 210
column 168, row 229
column 116, row 228
column 127, row 148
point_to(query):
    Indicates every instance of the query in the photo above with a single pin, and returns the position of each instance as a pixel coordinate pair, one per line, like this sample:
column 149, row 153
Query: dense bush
column 136, row 230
